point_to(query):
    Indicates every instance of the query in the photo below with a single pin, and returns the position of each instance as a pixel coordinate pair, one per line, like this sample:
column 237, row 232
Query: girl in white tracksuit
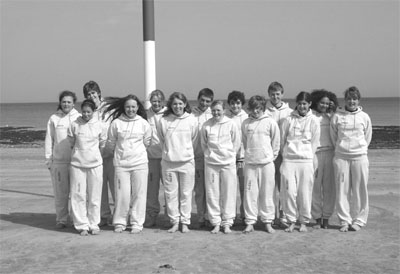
column 260, row 136
column 128, row 137
column 351, row 133
column 58, row 153
column 220, row 141
column 178, row 132
column 88, row 139
column 236, row 101
column 154, row 114
column 299, row 141
column 323, row 197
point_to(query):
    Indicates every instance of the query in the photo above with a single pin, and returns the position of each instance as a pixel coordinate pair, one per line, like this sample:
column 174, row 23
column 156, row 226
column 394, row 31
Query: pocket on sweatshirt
column 253, row 154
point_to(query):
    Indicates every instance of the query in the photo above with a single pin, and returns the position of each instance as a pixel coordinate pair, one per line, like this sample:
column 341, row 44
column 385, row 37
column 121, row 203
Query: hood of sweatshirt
column 61, row 113
column 264, row 116
column 125, row 118
column 346, row 112
column 230, row 114
column 271, row 107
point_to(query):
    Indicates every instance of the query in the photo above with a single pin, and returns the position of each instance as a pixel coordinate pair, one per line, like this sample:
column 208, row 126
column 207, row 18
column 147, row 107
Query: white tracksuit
column 261, row 139
column 58, row 158
column 238, row 119
column 299, row 142
column 324, row 191
column 154, row 155
column 199, row 186
column 178, row 139
column 88, row 141
column 220, row 142
column 108, row 168
column 351, row 133
column 128, row 139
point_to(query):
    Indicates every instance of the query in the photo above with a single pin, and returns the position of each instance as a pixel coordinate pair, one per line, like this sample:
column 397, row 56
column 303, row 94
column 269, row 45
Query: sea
column 384, row 111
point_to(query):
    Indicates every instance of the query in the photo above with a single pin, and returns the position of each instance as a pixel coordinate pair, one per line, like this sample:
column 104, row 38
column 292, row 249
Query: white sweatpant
column 153, row 188
column 60, row 179
column 240, row 180
column 221, row 189
column 200, row 190
column 297, row 179
column 259, row 193
column 130, row 196
column 178, row 183
column 86, row 185
column 324, row 191
column 108, row 182
column 351, row 178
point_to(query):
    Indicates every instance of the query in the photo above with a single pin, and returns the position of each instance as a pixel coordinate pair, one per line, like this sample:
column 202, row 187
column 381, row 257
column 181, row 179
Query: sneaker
column 84, row 233
column 60, row 226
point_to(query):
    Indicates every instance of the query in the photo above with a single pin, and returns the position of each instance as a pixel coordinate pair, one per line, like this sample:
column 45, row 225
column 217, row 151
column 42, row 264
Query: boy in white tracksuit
column 178, row 132
column 58, row 154
column 202, row 113
column 236, row 100
column 261, row 139
column 220, row 140
column 88, row 139
column 154, row 114
column 279, row 111
column 351, row 132
column 128, row 137
column 299, row 141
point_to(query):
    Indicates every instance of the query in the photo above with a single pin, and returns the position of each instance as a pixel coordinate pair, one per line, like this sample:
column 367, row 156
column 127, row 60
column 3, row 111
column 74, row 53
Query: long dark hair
column 115, row 106
column 180, row 96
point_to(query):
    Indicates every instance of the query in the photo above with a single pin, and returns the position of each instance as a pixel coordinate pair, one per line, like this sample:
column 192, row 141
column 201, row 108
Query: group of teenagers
column 289, row 166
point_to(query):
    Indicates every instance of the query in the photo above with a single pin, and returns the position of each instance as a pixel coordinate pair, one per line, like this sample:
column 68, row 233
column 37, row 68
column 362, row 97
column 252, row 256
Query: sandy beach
column 30, row 244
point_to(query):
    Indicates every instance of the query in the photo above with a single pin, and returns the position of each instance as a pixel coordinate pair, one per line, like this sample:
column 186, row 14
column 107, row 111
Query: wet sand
column 30, row 244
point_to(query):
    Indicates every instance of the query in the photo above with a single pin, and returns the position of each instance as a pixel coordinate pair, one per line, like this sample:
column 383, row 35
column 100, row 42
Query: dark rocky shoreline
column 382, row 137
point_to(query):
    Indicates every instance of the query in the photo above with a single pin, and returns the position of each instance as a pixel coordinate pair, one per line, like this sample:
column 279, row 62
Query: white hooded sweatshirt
column 300, row 137
column 260, row 139
column 220, row 141
column 154, row 149
column 325, row 142
column 279, row 114
column 201, row 117
column 238, row 119
column 128, row 138
column 178, row 137
column 88, row 140
column 57, row 147
column 351, row 133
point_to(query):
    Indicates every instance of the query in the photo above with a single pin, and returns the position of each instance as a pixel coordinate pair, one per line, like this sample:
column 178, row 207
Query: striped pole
column 149, row 50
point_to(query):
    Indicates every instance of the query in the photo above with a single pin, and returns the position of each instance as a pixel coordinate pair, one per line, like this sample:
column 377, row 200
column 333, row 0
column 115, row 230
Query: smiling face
column 303, row 107
column 94, row 96
column 87, row 113
column 351, row 102
column 156, row 103
column 178, row 107
column 235, row 106
column 217, row 112
column 130, row 108
column 323, row 105
column 204, row 102
column 67, row 104
column 257, row 112
column 275, row 97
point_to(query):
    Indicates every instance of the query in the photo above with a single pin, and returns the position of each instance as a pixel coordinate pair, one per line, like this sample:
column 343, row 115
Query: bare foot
column 248, row 229
column 216, row 229
column 185, row 228
column 135, row 231
column 290, row 228
column 227, row 229
column 84, row 233
column 269, row 229
column 174, row 228
column 325, row 223
column 303, row 228
column 355, row 227
column 318, row 224
column 344, row 228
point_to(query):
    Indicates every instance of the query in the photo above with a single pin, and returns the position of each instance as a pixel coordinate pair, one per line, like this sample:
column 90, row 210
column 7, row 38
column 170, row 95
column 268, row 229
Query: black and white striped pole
column 149, row 50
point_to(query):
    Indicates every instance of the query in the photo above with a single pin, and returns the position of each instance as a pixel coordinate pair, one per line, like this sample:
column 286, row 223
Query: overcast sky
column 50, row 45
